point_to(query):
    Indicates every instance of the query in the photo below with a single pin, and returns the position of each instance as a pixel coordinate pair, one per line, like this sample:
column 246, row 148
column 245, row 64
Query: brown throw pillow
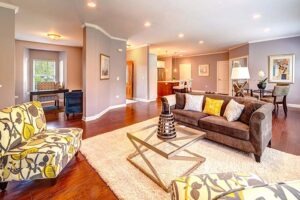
column 250, row 107
column 180, row 100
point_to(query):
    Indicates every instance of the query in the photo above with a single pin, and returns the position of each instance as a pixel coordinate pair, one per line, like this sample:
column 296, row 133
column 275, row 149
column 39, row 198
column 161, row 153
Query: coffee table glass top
column 185, row 136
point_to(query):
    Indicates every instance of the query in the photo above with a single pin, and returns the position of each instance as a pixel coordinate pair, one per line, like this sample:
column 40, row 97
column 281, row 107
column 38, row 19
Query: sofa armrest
column 261, row 128
column 166, row 101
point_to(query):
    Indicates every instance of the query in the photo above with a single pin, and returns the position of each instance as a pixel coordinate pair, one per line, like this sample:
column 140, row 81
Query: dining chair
column 188, row 86
column 73, row 102
column 278, row 97
column 48, row 97
column 180, row 87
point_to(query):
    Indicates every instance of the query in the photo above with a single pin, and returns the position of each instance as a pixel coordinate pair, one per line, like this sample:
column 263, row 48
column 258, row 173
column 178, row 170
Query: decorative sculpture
column 166, row 125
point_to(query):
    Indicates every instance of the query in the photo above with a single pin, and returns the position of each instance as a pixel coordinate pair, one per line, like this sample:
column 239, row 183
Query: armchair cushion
column 42, row 156
column 19, row 123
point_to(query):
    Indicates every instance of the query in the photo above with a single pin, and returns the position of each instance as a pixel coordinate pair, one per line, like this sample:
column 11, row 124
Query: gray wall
column 101, row 94
column 7, row 59
column 239, row 51
column 258, row 60
column 208, row 83
column 140, row 58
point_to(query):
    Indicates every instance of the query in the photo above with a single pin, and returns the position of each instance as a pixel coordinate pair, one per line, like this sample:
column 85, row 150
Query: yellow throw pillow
column 213, row 106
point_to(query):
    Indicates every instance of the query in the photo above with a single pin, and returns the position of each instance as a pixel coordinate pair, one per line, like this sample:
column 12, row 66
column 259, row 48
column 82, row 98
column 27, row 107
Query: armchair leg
column 76, row 154
column 270, row 143
column 3, row 185
column 257, row 158
column 53, row 181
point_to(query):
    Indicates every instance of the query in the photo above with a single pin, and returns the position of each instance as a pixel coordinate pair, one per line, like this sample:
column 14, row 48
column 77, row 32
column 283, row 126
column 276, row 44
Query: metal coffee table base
column 139, row 144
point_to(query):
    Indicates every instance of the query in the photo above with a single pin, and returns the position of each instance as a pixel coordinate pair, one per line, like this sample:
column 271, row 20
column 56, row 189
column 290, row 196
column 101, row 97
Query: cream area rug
column 107, row 153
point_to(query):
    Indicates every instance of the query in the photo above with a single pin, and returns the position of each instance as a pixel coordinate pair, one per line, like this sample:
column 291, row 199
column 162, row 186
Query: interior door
column 185, row 71
column 129, row 80
column 223, row 77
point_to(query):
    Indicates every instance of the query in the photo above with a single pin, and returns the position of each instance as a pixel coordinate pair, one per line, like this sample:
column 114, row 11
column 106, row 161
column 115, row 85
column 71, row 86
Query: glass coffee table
column 145, row 139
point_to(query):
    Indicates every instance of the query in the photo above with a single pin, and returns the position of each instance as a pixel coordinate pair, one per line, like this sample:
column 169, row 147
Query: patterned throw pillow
column 213, row 106
column 233, row 111
column 193, row 102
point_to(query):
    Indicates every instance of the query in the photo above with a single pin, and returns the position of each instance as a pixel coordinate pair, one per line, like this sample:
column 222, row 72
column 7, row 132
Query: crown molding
column 203, row 54
column 137, row 47
column 237, row 46
column 103, row 31
column 274, row 38
column 10, row 6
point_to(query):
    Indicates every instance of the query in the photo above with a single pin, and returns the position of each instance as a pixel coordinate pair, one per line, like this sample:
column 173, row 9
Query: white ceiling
column 221, row 24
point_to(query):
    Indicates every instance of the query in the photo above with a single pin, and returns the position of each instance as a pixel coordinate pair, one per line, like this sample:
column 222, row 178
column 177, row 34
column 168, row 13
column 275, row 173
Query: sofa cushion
column 250, row 107
column 193, row 102
column 187, row 116
column 213, row 106
column 235, row 129
column 42, row 156
column 180, row 100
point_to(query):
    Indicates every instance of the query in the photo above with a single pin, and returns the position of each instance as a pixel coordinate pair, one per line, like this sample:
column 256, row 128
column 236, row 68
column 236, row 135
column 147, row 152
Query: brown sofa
column 251, row 133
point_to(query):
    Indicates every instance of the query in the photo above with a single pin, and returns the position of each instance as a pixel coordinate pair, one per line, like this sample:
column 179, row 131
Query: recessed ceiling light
column 201, row 42
column 267, row 30
column 91, row 4
column 256, row 16
column 54, row 36
column 147, row 24
column 180, row 35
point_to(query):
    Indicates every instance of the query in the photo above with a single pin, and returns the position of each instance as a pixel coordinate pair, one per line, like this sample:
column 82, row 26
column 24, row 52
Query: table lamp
column 239, row 74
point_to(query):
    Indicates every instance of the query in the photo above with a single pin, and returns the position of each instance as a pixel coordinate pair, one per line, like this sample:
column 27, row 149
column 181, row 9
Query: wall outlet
column 118, row 78
column 0, row 86
column 117, row 96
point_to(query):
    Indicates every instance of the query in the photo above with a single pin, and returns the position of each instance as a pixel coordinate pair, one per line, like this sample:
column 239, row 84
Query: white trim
column 144, row 100
column 293, row 105
column 203, row 54
column 137, row 47
column 201, row 91
column 274, row 38
column 103, row 31
column 102, row 113
column 237, row 46
column 10, row 6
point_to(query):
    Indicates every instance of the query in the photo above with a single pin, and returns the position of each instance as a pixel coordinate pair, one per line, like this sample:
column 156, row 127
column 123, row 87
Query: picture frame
column 282, row 68
column 203, row 70
column 104, row 67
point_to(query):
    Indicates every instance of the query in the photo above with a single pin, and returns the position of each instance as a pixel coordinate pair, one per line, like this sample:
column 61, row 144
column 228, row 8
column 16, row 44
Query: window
column 43, row 71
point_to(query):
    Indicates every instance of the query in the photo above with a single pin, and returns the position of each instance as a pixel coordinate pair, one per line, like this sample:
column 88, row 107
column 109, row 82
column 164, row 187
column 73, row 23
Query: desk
column 41, row 92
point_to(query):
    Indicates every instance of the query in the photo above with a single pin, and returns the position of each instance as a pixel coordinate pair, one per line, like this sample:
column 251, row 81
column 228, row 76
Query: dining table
column 42, row 92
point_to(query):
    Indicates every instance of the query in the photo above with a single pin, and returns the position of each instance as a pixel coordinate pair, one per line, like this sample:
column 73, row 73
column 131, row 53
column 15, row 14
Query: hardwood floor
column 80, row 181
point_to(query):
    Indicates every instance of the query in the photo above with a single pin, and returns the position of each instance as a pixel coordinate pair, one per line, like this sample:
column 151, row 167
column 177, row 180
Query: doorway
column 129, row 80
column 223, row 77
column 185, row 71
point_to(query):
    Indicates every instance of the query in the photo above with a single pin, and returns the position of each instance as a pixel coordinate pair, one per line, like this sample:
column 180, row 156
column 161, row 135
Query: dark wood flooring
column 80, row 181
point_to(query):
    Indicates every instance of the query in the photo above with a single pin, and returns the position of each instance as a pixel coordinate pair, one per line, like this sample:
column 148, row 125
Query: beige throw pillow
column 193, row 102
column 233, row 111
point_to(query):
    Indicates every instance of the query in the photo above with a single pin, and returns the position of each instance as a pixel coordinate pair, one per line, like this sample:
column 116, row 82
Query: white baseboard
column 201, row 91
column 144, row 100
column 290, row 105
column 102, row 113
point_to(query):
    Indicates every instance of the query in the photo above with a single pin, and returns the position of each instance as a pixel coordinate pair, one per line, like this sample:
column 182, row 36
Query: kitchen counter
column 172, row 81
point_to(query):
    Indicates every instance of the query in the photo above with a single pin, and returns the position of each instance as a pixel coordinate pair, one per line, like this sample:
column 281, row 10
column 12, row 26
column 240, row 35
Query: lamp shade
column 239, row 73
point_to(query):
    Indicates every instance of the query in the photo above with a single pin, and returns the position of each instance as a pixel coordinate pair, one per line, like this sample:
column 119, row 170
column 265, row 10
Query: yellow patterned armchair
column 29, row 151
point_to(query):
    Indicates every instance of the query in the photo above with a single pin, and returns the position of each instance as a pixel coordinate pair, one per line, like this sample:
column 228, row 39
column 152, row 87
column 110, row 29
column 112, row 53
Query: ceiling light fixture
column 201, row 42
column 267, row 30
column 180, row 35
column 53, row 36
column 256, row 16
column 147, row 24
column 91, row 4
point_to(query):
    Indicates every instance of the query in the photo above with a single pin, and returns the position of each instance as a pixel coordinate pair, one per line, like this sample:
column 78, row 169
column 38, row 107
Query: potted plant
column 262, row 84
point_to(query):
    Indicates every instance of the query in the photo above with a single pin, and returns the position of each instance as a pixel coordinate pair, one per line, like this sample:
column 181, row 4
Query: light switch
column 118, row 78
column 117, row 96
column 0, row 86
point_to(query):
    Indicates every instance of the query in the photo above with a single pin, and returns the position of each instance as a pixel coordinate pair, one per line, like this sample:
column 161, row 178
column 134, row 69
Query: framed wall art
column 104, row 67
column 282, row 68
column 203, row 70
